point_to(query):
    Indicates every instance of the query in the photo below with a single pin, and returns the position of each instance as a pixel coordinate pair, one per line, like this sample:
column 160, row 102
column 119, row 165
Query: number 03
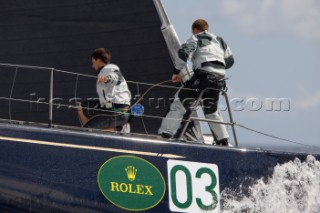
column 197, row 194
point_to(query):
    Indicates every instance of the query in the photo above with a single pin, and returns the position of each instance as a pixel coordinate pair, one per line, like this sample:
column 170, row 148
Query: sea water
column 294, row 187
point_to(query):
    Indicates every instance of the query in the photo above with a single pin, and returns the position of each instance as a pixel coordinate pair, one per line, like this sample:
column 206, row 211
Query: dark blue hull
column 62, row 169
column 55, row 170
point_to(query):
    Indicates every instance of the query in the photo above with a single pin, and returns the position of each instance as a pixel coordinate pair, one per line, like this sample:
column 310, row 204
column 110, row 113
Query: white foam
column 294, row 187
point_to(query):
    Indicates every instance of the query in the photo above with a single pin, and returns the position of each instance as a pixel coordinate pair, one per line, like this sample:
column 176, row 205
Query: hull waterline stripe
column 96, row 148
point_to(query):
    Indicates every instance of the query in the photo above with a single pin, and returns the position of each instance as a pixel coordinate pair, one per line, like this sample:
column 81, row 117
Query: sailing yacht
column 49, row 163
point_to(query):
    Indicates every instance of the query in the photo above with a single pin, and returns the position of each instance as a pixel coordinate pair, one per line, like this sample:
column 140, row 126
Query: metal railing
column 51, row 98
column 190, row 118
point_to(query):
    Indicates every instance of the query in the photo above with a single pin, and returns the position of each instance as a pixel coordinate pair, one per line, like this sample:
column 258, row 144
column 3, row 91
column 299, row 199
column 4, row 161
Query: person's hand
column 79, row 106
column 103, row 79
column 175, row 78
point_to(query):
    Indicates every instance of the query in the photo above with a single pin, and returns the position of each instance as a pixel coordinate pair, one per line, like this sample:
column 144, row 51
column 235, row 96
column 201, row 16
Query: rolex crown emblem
column 131, row 172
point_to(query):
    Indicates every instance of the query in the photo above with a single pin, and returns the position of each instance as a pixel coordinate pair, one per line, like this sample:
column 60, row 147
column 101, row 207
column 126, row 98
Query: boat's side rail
column 51, row 103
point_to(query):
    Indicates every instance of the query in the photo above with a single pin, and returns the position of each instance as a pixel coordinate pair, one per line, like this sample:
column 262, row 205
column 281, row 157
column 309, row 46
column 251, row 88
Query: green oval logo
column 131, row 183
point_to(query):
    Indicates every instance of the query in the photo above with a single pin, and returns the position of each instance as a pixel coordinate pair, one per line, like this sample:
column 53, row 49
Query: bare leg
column 84, row 119
column 110, row 129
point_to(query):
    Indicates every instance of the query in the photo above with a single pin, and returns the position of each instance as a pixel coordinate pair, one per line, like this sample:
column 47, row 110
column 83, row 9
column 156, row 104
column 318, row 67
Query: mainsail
column 62, row 35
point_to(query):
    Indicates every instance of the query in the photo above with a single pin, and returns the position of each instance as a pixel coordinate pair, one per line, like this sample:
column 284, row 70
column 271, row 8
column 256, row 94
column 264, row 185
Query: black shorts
column 103, row 118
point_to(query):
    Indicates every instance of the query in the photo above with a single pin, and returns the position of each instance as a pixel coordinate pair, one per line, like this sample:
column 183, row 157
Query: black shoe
column 166, row 135
column 223, row 142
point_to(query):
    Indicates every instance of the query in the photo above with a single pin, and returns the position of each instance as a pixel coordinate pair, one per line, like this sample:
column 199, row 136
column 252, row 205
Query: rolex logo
column 119, row 183
column 131, row 172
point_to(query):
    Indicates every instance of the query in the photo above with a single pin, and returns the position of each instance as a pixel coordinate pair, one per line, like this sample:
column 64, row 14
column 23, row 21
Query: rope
column 75, row 107
column 75, row 97
column 13, row 83
column 144, row 94
column 275, row 137
column 144, row 126
column 159, row 117
column 139, row 100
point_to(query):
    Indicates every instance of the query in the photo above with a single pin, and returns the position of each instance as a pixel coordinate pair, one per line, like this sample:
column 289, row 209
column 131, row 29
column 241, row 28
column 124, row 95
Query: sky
column 276, row 46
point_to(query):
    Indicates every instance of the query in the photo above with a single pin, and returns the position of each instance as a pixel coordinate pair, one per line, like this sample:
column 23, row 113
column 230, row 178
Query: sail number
column 193, row 187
